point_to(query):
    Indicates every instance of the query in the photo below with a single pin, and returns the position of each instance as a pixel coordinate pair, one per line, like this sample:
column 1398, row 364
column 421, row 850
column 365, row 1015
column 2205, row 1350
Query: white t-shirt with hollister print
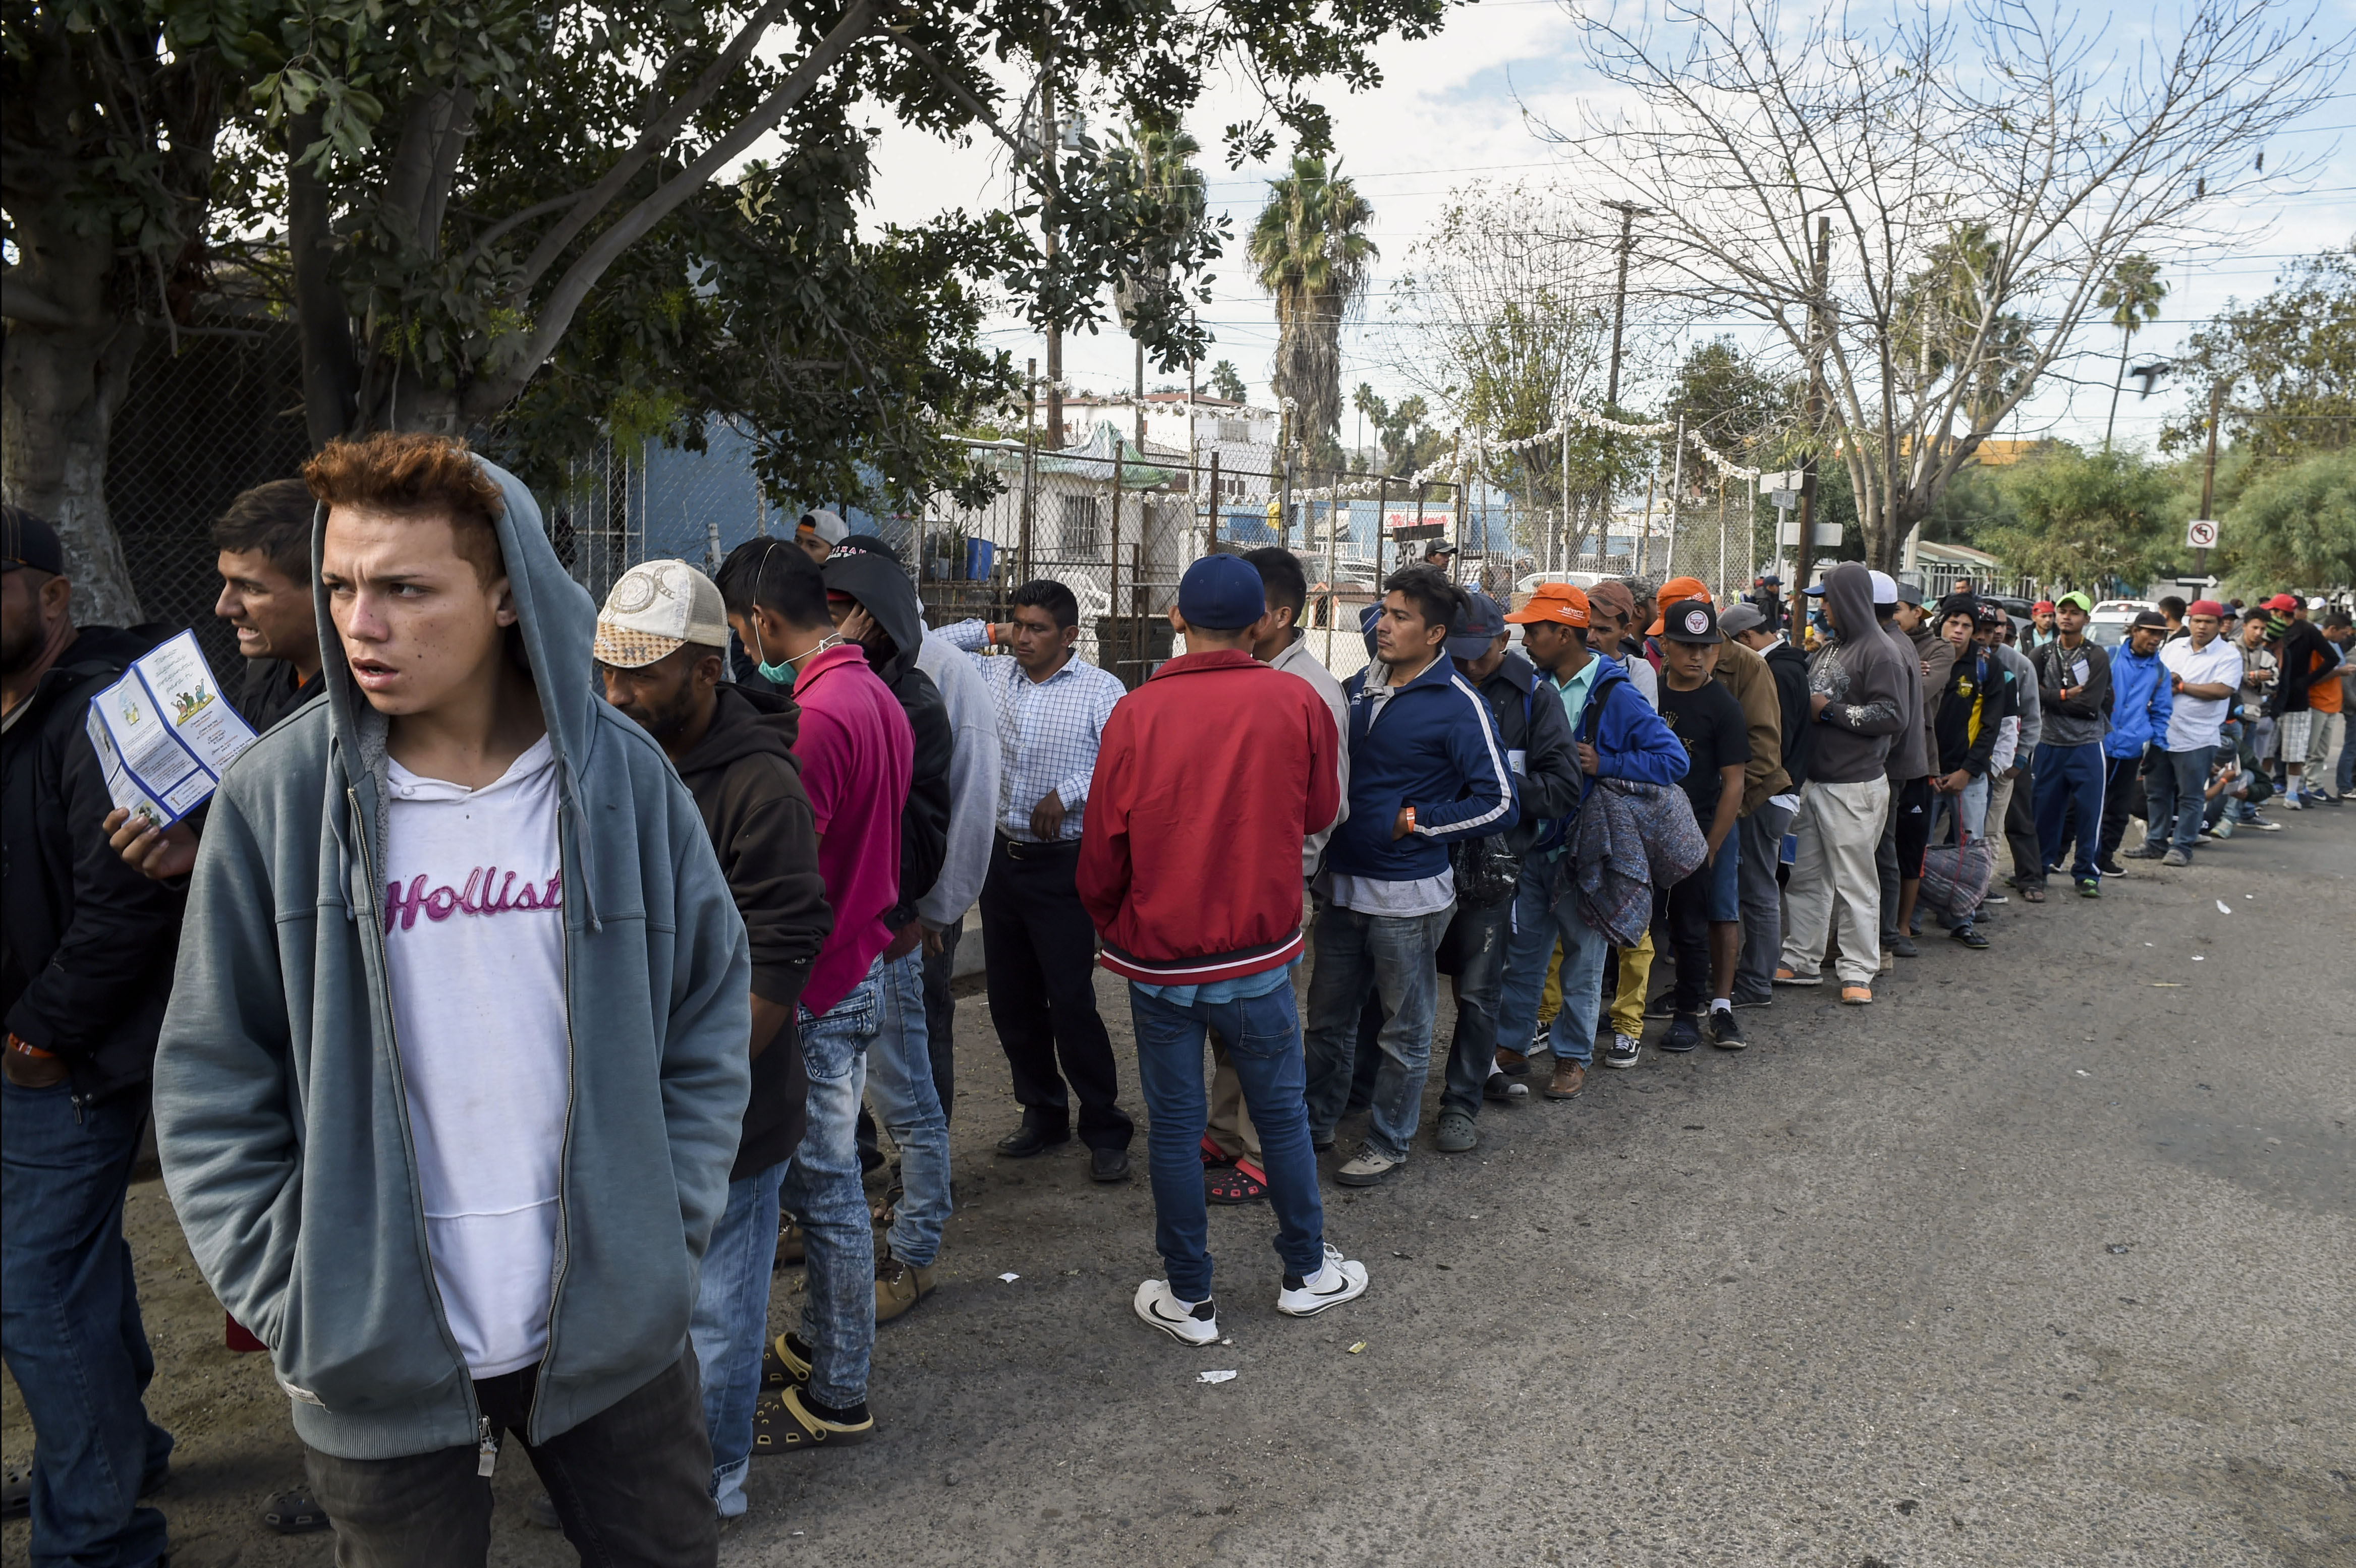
column 475, row 946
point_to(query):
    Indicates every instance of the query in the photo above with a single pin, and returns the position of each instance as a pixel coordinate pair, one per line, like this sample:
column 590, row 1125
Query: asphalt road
column 2044, row 1259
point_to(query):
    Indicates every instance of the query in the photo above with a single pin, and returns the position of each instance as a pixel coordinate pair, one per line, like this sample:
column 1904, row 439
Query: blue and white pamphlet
column 165, row 731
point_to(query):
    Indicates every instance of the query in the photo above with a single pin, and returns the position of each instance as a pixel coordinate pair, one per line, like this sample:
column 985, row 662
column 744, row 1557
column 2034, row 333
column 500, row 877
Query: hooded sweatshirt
column 973, row 781
column 748, row 789
column 1932, row 658
column 870, row 575
column 280, row 1109
column 1868, row 680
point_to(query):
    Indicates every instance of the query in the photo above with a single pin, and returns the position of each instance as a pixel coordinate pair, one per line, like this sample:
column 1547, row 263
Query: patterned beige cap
column 657, row 608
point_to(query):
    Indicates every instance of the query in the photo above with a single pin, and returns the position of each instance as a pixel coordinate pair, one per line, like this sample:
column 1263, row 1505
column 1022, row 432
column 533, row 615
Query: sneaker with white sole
column 1368, row 1168
column 1188, row 1322
column 1338, row 1280
column 1623, row 1051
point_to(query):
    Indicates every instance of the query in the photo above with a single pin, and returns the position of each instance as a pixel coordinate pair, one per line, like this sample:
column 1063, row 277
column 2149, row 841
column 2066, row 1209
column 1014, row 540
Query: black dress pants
column 632, row 1484
column 940, row 1020
column 1039, row 954
column 2122, row 798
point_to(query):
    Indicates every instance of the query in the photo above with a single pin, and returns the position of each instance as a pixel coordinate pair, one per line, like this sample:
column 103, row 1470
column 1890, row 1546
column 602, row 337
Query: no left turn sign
column 2201, row 533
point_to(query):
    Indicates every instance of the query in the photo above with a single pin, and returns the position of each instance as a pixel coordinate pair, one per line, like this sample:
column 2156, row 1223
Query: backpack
column 1487, row 872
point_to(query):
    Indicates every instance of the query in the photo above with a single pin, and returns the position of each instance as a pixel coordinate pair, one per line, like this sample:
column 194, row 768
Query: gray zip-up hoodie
column 279, row 1104
column 1866, row 680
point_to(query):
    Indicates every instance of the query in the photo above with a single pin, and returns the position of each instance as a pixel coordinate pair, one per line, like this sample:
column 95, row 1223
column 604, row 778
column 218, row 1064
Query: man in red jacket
column 1207, row 778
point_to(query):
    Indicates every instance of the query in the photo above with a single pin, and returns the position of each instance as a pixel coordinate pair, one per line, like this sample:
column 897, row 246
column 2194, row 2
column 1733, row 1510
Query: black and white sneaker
column 1338, row 1280
column 1623, row 1051
column 1725, row 1029
column 1189, row 1323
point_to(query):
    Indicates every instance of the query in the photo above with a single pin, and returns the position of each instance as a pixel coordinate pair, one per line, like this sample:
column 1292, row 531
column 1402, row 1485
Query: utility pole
column 1803, row 573
column 2209, row 472
column 1629, row 212
column 1047, row 220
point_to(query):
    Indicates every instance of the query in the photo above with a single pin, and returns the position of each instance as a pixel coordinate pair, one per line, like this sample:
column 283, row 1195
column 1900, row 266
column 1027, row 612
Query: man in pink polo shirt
column 856, row 753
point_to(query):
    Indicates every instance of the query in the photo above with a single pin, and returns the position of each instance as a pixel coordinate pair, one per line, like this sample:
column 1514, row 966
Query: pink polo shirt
column 856, row 752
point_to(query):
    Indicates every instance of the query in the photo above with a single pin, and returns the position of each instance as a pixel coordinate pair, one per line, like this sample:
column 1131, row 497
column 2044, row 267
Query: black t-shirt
column 1710, row 723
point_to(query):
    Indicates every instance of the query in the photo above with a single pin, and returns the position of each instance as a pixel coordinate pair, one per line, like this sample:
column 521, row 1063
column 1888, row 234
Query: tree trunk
column 63, row 374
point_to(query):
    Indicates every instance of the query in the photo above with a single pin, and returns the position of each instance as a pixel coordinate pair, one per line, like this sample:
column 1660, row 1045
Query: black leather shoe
column 1027, row 1140
column 1108, row 1165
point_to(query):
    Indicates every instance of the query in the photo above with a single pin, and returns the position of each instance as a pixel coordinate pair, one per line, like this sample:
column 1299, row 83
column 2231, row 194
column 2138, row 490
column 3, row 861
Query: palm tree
column 1310, row 251
column 2132, row 296
column 1154, row 168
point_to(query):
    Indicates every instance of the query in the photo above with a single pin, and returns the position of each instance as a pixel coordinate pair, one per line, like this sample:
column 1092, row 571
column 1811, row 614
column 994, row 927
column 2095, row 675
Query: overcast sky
column 1460, row 108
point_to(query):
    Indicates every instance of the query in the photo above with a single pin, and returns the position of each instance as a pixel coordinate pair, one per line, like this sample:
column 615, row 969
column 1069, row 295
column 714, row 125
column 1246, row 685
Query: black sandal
column 1242, row 1182
column 295, row 1512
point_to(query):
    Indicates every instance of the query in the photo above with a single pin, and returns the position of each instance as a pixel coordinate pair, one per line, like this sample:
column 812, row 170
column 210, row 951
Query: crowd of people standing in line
column 532, row 988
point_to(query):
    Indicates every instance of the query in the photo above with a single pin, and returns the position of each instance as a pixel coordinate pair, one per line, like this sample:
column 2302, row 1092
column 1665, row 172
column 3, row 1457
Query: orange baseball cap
column 1676, row 591
column 1556, row 603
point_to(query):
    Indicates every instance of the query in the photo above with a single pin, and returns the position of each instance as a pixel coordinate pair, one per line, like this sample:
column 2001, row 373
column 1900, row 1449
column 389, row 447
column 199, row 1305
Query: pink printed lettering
column 401, row 907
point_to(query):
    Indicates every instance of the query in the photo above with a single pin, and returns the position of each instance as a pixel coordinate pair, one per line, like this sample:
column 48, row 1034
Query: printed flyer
column 163, row 732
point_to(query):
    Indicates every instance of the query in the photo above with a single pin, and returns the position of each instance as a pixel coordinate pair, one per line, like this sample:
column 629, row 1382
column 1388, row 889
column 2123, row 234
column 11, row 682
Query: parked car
column 2107, row 626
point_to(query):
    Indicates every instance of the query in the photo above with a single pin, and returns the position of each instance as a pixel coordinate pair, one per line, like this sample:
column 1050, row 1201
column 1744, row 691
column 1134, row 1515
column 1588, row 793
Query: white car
column 2107, row 625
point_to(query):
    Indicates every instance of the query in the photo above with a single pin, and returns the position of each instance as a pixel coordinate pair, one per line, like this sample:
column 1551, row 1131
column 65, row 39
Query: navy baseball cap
column 26, row 541
column 1221, row 593
column 1478, row 624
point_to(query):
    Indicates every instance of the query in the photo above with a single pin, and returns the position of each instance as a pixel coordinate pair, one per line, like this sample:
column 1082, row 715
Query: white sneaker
column 1339, row 1280
column 1368, row 1168
column 1189, row 1323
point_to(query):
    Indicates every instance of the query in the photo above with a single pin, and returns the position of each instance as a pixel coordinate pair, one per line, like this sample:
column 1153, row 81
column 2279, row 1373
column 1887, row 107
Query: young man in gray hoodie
column 1857, row 697
column 454, row 1068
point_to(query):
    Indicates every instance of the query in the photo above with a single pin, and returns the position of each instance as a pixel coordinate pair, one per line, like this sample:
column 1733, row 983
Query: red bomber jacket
column 1208, row 777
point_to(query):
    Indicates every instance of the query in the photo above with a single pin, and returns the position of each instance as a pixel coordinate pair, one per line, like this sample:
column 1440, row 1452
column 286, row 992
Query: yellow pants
column 1627, row 1006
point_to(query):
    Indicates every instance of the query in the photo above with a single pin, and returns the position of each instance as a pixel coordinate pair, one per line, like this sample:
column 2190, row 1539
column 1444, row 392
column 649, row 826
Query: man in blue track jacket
column 1426, row 771
column 2141, row 705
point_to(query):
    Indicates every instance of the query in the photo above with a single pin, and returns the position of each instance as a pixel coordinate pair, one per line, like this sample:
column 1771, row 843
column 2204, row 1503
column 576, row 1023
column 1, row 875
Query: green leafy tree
column 2294, row 524
column 510, row 219
column 2132, row 296
column 1409, row 443
column 2083, row 517
column 1310, row 252
column 2288, row 361
column 110, row 109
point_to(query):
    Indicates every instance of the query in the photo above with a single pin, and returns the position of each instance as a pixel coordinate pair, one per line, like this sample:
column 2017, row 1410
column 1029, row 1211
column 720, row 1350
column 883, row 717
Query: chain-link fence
column 221, row 414
column 1117, row 522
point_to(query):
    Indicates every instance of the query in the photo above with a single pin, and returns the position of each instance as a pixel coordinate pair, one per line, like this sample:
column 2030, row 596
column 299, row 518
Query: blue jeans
column 69, row 1325
column 2070, row 777
column 2173, row 798
column 821, row 1186
column 1758, row 838
column 1481, row 936
column 1263, row 1040
column 1538, row 923
column 1394, row 956
column 731, row 1325
column 900, row 1082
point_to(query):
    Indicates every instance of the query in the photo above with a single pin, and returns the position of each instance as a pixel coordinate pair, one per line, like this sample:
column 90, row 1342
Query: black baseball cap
column 26, row 541
column 1689, row 621
column 2152, row 618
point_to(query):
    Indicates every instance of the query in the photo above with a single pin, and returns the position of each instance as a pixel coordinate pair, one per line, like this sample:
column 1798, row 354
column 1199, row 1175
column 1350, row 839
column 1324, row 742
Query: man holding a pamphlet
column 86, row 946
column 454, row 1066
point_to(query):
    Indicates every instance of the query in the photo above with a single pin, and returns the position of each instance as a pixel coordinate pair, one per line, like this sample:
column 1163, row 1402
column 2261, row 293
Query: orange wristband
column 1410, row 817
column 24, row 1049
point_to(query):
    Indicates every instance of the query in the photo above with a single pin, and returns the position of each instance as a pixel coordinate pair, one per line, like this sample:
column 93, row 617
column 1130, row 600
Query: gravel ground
column 2044, row 1259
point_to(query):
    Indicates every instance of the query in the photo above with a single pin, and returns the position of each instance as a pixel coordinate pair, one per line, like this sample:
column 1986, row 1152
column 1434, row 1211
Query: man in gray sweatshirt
column 455, row 1063
column 1858, row 686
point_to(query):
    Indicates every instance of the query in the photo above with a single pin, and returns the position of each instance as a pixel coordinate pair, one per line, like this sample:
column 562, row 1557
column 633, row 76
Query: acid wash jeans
column 822, row 1189
column 1394, row 956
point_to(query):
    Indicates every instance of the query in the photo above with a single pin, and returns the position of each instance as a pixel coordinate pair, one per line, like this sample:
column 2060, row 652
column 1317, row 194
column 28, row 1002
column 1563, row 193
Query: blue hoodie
column 1430, row 744
column 2141, row 702
column 1631, row 740
column 280, row 1109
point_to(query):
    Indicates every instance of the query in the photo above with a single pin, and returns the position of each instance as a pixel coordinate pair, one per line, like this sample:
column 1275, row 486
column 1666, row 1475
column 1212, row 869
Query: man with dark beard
column 662, row 646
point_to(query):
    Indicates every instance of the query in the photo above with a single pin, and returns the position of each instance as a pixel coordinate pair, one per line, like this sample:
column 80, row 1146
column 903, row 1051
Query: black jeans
column 1686, row 909
column 940, row 1019
column 632, row 1484
column 2019, row 828
column 1039, row 954
column 2122, row 797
